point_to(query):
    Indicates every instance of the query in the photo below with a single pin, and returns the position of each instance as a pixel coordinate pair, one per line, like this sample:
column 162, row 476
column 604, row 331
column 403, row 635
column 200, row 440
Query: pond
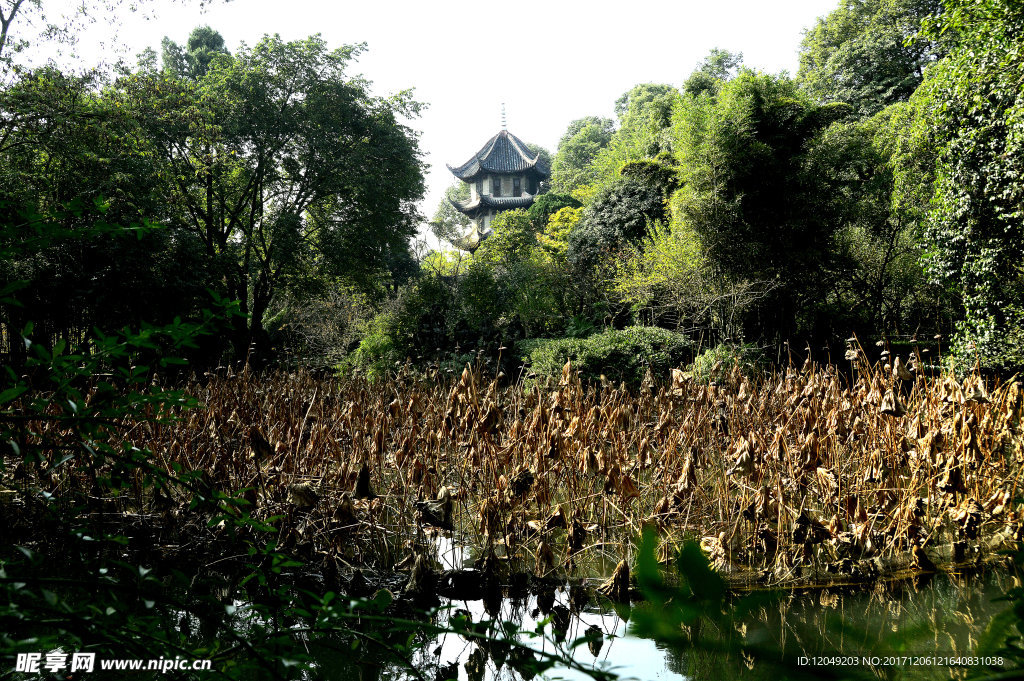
column 898, row 628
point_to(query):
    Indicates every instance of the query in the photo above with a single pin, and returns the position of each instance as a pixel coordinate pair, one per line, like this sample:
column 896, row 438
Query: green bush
column 620, row 355
column 379, row 348
column 715, row 363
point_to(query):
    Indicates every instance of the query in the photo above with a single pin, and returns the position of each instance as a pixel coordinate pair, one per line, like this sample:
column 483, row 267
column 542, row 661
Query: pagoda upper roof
column 502, row 154
column 483, row 201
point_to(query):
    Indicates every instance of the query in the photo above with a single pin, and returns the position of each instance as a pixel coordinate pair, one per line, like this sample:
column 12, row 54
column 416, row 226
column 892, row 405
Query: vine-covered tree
column 966, row 136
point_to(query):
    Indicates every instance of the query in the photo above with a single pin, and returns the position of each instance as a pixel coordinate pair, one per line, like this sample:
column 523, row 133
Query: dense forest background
column 875, row 192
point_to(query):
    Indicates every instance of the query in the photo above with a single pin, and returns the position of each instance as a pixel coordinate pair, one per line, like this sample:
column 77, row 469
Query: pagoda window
column 496, row 186
column 517, row 186
column 479, row 186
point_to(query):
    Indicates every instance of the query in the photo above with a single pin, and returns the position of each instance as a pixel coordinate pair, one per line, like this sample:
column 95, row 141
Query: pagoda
column 503, row 175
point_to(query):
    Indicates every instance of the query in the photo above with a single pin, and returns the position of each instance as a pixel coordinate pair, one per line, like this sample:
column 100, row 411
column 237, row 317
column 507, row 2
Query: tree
column 645, row 119
column 647, row 100
column 547, row 205
column 449, row 224
column 520, row 275
column 657, row 172
column 966, row 136
column 284, row 168
column 203, row 46
column 554, row 238
column 538, row 150
column 579, row 146
column 716, row 68
column 42, row 21
column 759, row 209
column 619, row 215
column 880, row 284
column 69, row 153
column 860, row 54
column 668, row 283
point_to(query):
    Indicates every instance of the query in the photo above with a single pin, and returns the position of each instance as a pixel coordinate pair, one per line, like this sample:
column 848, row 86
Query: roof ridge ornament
column 504, row 122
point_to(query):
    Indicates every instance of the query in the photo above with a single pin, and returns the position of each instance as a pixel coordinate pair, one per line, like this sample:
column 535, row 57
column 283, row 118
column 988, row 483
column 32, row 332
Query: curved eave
column 466, row 172
column 503, row 154
column 475, row 206
column 536, row 169
column 471, row 241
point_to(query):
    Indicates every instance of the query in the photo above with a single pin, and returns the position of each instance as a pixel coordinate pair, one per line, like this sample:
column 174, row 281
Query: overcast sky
column 548, row 62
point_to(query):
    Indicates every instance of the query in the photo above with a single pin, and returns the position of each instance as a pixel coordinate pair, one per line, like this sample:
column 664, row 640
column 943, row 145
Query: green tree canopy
column 749, row 192
column 448, row 223
column 880, row 282
column 716, row 68
column 71, row 158
column 579, row 146
column 547, row 205
column 203, row 46
column 285, row 168
column 860, row 54
column 645, row 116
column 618, row 216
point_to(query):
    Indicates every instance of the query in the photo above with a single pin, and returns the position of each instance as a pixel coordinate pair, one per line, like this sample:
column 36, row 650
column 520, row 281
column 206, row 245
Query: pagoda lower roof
column 503, row 154
column 483, row 201
column 471, row 241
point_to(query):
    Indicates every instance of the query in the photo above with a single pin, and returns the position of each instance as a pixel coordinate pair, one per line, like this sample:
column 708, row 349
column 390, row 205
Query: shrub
column 714, row 364
column 379, row 348
column 618, row 216
column 620, row 355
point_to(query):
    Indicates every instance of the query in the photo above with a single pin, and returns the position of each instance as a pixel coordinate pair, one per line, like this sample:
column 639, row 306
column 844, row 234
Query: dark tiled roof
column 504, row 154
column 474, row 206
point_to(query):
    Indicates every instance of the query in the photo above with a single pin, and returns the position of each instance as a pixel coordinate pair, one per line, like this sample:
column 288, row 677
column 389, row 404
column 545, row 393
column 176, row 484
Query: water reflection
column 941, row 616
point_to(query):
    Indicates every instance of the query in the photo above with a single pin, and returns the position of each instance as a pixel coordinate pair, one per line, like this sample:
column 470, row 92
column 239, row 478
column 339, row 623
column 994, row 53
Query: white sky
column 548, row 62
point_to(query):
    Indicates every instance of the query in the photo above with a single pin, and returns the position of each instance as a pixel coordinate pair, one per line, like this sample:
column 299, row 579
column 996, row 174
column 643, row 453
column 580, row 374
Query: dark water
column 892, row 631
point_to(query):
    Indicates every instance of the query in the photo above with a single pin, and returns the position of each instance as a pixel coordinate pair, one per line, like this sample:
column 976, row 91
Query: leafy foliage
column 283, row 167
column 668, row 282
column 717, row 363
column 881, row 283
column 555, row 237
column 547, row 205
column 968, row 118
column 448, row 223
column 645, row 116
column 193, row 62
column 861, row 53
column 625, row 355
column 620, row 215
column 716, row 68
column 524, row 275
column 750, row 194
column 573, row 163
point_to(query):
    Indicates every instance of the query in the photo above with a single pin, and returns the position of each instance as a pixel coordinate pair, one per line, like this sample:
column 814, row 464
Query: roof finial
column 504, row 125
